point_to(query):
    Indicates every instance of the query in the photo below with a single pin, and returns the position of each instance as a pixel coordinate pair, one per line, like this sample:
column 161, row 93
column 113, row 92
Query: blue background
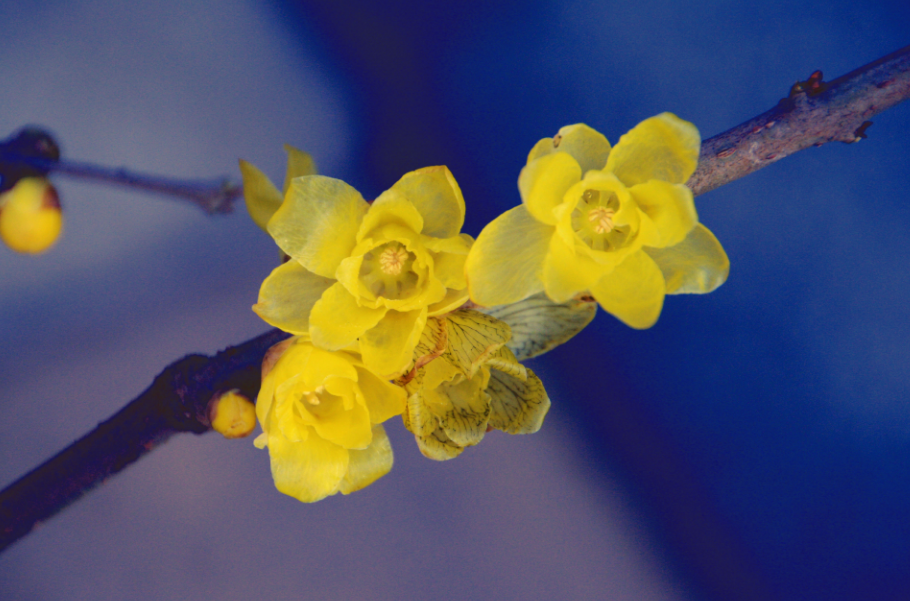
column 752, row 445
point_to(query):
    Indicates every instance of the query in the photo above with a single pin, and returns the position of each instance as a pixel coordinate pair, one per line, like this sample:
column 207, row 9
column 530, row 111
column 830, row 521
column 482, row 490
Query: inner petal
column 593, row 220
column 387, row 271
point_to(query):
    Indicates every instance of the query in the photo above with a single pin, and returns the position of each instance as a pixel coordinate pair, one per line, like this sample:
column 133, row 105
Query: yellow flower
column 320, row 413
column 30, row 216
column 261, row 196
column 368, row 272
column 465, row 382
column 618, row 224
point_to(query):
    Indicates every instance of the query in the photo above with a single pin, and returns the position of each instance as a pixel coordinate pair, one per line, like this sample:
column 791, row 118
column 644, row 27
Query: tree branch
column 814, row 113
column 177, row 401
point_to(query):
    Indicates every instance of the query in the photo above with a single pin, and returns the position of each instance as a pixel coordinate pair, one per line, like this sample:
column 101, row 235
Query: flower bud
column 30, row 216
column 232, row 414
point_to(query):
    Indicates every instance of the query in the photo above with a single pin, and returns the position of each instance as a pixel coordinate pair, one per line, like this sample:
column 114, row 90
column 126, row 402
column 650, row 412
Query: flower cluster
column 394, row 311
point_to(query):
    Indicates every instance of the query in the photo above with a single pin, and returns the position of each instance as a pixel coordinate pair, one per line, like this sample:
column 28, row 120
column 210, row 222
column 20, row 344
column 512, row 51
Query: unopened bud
column 30, row 216
column 232, row 414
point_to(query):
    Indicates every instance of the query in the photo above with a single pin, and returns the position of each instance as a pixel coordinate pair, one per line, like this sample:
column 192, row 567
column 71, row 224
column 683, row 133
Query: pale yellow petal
column 368, row 465
column 586, row 145
column 387, row 348
column 435, row 193
column 664, row 148
column 390, row 207
column 318, row 221
column 452, row 300
column 566, row 274
column 696, row 265
column 299, row 164
column 337, row 320
column 472, row 337
column 461, row 410
column 505, row 264
column 308, row 470
column 670, row 207
column 383, row 399
column 538, row 324
column 633, row 292
column 543, row 183
column 287, row 296
column 517, row 406
column 261, row 196
column 431, row 439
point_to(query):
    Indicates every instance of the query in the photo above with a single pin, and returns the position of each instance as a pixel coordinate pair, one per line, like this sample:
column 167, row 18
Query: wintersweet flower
column 261, row 196
column 618, row 224
column 363, row 272
column 320, row 413
column 465, row 382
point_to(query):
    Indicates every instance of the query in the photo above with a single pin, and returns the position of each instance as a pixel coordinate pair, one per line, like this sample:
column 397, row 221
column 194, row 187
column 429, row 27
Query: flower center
column 392, row 260
column 312, row 396
column 602, row 219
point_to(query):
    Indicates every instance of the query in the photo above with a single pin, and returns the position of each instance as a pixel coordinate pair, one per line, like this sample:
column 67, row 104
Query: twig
column 814, row 113
column 177, row 401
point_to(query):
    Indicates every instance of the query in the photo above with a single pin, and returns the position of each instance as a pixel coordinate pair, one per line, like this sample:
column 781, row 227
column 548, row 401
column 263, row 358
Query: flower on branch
column 321, row 413
column 30, row 216
column 617, row 224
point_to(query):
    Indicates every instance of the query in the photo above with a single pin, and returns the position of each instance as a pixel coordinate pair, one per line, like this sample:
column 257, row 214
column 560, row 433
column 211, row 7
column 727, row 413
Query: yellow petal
column 696, row 265
column 368, row 465
column 294, row 353
column 663, row 148
column 472, row 337
column 449, row 255
column 387, row 348
column 538, row 324
column 322, row 364
column 337, row 320
column 431, row 439
column 586, row 145
column 299, row 164
column 287, row 296
column 517, row 406
column 452, row 300
column 383, row 399
column 261, row 196
column 308, row 470
column 506, row 262
column 543, row 183
column 318, row 221
column 435, row 193
column 633, row 292
column 670, row 207
column 565, row 273
column 390, row 207
column 462, row 410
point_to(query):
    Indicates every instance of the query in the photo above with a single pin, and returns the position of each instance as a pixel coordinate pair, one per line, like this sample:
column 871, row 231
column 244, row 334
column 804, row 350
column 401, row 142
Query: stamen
column 392, row 260
column 602, row 218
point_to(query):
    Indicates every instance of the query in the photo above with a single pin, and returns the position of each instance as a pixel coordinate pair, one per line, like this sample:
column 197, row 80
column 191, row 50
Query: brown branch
column 177, row 401
column 814, row 113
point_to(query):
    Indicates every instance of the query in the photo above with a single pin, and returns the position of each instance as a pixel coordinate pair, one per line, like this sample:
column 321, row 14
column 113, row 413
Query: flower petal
column 435, row 193
column 431, row 439
column 317, row 223
column 517, row 406
column 388, row 347
column 383, row 399
column 368, row 465
column 299, row 164
column 544, row 181
column 472, row 337
column 452, row 300
column 462, row 411
column 261, row 196
column 565, row 273
column 337, row 320
column 307, row 470
column 586, row 145
column 633, row 292
column 697, row 265
column 506, row 261
column 390, row 207
column 287, row 296
column 670, row 207
column 663, row 147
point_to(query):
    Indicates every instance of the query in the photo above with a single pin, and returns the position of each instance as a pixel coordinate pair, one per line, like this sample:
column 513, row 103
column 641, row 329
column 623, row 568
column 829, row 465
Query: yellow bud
column 232, row 414
column 30, row 216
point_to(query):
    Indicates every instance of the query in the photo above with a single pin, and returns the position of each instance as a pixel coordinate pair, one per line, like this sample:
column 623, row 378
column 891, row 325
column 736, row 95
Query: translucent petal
column 449, row 255
column 663, row 148
column 390, row 207
column 431, row 439
column 472, row 337
column 696, row 265
column 517, row 406
column 435, row 193
column 337, row 320
column 505, row 264
column 565, row 274
column 462, row 411
column 368, row 465
column 287, row 296
column 633, row 292
column 452, row 300
column 318, row 221
column 388, row 347
column 543, row 183
column 308, row 470
column 261, row 196
column 586, row 145
column 538, row 324
column 383, row 399
column 299, row 164
column 670, row 207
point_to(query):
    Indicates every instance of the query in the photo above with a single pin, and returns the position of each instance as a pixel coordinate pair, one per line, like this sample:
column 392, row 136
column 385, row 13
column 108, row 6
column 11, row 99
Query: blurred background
column 754, row 444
